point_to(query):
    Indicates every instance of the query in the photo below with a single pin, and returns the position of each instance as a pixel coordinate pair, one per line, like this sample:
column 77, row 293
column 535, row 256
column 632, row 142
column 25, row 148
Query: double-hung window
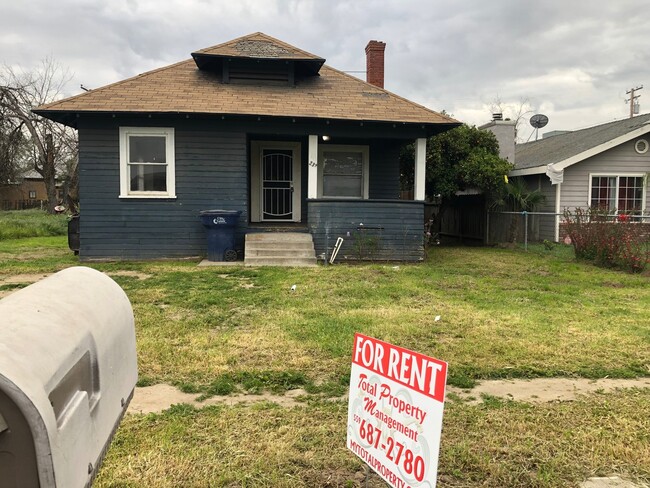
column 147, row 167
column 343, row 171
column 618, row 193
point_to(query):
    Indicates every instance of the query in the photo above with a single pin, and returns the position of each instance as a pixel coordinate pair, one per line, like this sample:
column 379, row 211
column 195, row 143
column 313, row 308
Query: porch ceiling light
column 326, row 138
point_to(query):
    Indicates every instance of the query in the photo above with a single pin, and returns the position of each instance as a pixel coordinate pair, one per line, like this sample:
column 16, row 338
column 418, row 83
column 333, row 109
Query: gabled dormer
column 258, row 59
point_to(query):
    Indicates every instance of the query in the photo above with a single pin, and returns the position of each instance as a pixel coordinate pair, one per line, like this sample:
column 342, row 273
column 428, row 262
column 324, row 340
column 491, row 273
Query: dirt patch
column 150, row 399
column 611, row 284
column 23, row 278
column 157, row 398
column 32, row 255
column 543, row 390
column 131, row 274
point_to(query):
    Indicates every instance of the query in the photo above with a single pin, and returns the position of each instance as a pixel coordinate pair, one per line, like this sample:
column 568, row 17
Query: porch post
column 420, row 168
column 558, row 200
column 312, row 167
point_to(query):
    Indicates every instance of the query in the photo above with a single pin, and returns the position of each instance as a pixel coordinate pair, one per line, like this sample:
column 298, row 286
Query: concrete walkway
column 610, row 482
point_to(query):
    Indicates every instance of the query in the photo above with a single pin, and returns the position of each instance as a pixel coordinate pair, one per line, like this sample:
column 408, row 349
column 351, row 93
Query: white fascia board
column 528, row 171
column 603, row 147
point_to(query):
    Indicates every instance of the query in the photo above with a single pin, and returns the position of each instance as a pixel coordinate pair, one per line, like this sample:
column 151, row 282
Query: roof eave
column 528, row 171
column 70, row 118
column 313, row 65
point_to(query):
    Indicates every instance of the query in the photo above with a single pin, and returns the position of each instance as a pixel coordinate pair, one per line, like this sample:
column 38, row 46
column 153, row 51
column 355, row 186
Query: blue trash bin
column 220, row 229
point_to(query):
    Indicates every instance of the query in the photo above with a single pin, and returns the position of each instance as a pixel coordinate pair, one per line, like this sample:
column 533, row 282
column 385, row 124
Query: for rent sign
column 395, row 411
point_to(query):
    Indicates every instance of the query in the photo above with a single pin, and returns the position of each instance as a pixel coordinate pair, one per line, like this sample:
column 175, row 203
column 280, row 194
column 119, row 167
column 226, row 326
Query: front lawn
column 504, row 314
column 16, row 224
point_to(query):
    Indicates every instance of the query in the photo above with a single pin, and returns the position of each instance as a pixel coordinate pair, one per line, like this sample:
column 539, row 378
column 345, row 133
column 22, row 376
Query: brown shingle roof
column 259, row 46
column 183, row 88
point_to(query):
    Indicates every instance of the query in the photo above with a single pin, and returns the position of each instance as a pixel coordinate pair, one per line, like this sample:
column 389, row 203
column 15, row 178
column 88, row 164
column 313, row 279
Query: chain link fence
column 534, row 227
column 522, row 227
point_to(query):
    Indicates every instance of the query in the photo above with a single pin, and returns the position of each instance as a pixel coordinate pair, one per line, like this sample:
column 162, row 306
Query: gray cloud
column 574, row 59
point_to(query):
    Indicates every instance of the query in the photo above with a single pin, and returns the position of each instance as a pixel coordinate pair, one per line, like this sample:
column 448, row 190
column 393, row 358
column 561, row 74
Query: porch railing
column 372, row 230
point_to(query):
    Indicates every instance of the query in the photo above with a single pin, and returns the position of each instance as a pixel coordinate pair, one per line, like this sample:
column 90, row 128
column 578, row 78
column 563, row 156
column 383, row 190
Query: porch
column 343, row 188
column 383, row 230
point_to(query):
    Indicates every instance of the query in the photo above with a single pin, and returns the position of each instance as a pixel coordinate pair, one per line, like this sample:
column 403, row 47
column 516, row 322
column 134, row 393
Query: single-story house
column 605, row 166
column 26, row 191
column 255, row 125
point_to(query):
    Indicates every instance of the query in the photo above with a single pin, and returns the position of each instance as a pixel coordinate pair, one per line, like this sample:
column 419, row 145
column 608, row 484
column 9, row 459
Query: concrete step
column 271, row 245
column 279, row 249
column 280, row 253
column 279, row 237
column 276, row 261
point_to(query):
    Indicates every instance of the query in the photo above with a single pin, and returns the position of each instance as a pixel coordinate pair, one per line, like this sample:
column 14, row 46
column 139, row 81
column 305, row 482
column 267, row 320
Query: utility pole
column 633, row 97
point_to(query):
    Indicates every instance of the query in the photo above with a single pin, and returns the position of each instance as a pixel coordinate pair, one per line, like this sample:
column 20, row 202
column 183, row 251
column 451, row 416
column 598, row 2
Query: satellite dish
column 538, row 121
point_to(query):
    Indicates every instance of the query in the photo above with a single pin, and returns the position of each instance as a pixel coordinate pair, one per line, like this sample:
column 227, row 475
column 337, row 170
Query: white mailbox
column 67, row 373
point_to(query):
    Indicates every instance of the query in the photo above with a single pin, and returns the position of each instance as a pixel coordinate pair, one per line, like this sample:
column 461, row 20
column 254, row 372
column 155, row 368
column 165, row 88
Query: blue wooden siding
column 211, row 172
column 384, row 169
column 391, row 230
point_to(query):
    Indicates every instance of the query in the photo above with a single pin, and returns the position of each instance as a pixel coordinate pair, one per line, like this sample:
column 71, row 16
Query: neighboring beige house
column 604, row 166
column 26, row 192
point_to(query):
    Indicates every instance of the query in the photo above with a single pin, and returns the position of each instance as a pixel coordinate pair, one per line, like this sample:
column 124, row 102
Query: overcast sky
column 573, row 60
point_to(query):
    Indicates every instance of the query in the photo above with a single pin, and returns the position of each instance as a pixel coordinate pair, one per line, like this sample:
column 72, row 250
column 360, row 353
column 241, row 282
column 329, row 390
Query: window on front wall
column 32, row 195
column 623, row 194
column 343, row 171
column 147, row 168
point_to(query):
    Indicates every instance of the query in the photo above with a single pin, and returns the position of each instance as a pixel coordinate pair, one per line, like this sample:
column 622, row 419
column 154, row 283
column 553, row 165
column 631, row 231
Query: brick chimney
column 375, row 63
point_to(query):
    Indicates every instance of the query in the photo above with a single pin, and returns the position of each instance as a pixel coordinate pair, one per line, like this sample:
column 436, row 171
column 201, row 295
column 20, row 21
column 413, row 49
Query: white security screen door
column 276, row 174
column 277, row 184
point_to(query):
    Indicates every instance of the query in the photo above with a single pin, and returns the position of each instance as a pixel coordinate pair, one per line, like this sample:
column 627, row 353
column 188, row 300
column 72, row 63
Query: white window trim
column 365, row 154
column 618, row 176
column 168, row 133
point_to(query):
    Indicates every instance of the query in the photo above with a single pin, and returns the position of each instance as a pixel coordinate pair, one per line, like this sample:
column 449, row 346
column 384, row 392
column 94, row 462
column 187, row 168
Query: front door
column 275, row 177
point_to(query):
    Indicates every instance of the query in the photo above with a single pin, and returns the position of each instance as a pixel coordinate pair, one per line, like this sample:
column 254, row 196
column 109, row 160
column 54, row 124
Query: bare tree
column 519, row 111
column 53, row 145
column 12, row 148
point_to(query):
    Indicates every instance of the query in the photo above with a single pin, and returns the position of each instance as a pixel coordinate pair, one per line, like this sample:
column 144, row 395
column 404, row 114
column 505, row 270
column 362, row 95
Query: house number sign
column 395, row 411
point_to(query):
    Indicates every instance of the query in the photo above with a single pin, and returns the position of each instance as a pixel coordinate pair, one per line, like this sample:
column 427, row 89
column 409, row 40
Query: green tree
column 459, row 159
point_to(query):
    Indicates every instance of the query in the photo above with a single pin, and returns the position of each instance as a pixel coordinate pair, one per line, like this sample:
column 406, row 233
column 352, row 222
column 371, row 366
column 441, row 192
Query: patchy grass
column 504, row 444
column 35, row 255
column 16, row 224
column 505, row 314
column 511, row 444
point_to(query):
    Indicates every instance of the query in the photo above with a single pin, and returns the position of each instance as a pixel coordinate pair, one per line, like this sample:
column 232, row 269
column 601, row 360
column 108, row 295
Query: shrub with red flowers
column 620, row 242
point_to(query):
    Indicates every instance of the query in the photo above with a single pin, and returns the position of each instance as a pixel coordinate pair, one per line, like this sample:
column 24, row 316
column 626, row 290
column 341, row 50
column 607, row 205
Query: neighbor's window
column 617, row 193
column 32, row 195
column 147, row 162
column 343, row 171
